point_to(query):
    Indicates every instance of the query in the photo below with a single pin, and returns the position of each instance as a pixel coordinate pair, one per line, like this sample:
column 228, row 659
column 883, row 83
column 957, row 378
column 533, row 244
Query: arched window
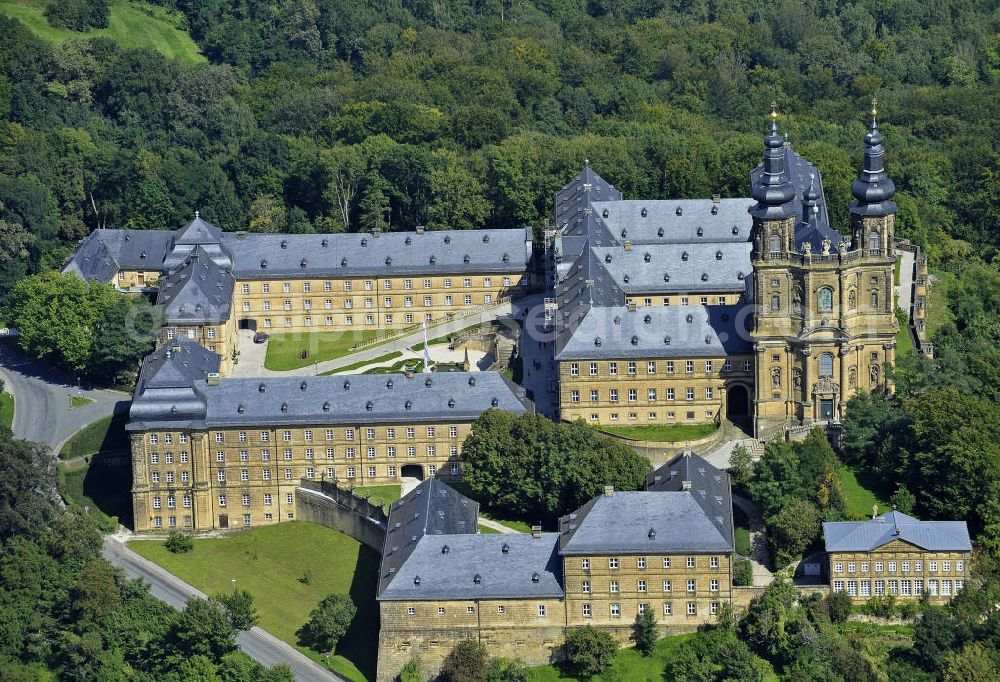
column 826, row 298
column 775, row 244
column 875, row 299
column 874, row 240
column 776, row 303
column 826, row 365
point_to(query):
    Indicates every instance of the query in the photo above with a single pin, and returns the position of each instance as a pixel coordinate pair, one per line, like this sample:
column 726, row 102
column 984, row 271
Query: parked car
column 259, row 337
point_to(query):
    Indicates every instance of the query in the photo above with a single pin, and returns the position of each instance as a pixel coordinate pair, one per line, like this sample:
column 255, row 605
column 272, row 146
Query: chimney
column 377, row 232
column 420, row 229
column 874, row 511
column 240, row 234
column 685, row 485
column 408, row 373
column 628, row 244
column 609, row 490
column 213, row 378
column 716, row 198
column 536, row 531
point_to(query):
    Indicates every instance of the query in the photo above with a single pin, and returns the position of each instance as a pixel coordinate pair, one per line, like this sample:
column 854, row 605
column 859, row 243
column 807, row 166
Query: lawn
column 364, row 363
column 132, row 24
column 284, row 351
column 432, row 342
column 6, row 409
column 858, row 499
column 78, row 401
column 100, row 488
column 938, row 313
column 107, row 433
column 270, row 562
column 519, row 526
column 416, row 365
column 904, row 342
column 742, row 531
column 380, row 494
column 662, row 432
column 630, row 664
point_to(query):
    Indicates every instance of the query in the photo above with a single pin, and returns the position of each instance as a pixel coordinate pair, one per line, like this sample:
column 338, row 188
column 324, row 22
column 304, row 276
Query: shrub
column 881, row 607
column 410, row 673
column 179, row 543
column 743, row 573
column 469, row 661
column 839, row 606
column 239, row 608
column 590, row 651
column 328, row 622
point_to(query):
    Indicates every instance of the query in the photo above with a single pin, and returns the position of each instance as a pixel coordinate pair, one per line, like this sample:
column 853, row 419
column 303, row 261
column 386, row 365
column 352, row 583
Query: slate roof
column 259, row 256
column 169, row 383
column 864, row 536
column 660, row 331
column 572, row 199
column 710, row 487
column 675, row 221
column 104, row 252
column 432, row 508
column 343, row 399
column 476, row 567
column 621, row 523
column 682, row 267
column 197, row 292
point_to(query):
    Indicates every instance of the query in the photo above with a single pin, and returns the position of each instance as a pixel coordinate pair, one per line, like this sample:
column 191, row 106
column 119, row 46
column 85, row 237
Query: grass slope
column 6, row 409
column 100, row 487
column 380, row 494
column 284, row 351
column 364, row 363
column 268, row 561
column 132, row 25
column 107, row 433
column 858, row 500
column 630, row 664
column 662, row 433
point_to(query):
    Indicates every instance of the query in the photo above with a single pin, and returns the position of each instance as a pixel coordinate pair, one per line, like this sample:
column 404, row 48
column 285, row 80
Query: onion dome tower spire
column 874, row 188
column 810, row 201
column 772, row 189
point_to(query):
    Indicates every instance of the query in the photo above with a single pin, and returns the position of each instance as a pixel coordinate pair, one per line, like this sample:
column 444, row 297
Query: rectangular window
column 641, row 586
column 616, row 610
column 586, row 611
column 667, row 585
column 613, row 368
column 613, row 562
column 541, row 610
column 692, row 609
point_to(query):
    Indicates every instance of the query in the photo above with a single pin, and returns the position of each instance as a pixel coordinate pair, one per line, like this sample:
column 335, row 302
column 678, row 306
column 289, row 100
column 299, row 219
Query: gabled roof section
column 675, row 221
column 197, row 292
column 680, row 268
column 198, row 231
column 104, row 252
column 659, row 332
column 709, row 486
column 455, row 252
column 644, row 522
column 587, row 187
column 864, row 536
column 432, row 508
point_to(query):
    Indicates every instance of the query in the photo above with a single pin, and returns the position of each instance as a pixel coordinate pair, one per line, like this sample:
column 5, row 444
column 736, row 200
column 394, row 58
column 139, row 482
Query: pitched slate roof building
column 211, row 452
column 667, row 548
column 898, row 555
column 780, row 318
column 211, row 283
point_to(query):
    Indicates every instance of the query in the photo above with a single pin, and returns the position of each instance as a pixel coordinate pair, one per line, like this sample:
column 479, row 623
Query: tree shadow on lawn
column 359, row 645
column 108, row 483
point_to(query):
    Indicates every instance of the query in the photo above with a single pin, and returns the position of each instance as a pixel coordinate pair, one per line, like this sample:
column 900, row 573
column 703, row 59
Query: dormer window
column 465, row 258
column 607, row 258
column 472, row 381
column 718, row 255
column 736, row 229
column 263, row 264
column 605, row 213
column 370, row 406
column 680, row 211
column 689, row 319
column 364, row 242
column 284, row 407
column 684, row 256
column 495, row 403
column 597, row 341
column 647, row 319
column 505, row 258
column 407, row 241
column 388, row 260
column 643, row 212
column 486, row 239
column 451, row 402
column 408, row 405
column 347, row 385
column 666, row 340
column 659, row 232
column 701, row 231
column 434, row 260
column 715, row 210
column 635, row 340
column 624, row 234
column 284, row 243
column 326, row 407
column 647, row 257
column 704, row 277
column 325, row 243
column 447, row 239
column 303, row 263
column 343, row 262
column 666, row 276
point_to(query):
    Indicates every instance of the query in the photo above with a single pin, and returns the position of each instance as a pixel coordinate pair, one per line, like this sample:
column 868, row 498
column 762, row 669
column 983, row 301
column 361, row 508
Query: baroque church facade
column 754, row 309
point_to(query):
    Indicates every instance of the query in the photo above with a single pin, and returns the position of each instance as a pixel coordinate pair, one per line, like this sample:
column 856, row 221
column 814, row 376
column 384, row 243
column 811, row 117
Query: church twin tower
column 825, row 327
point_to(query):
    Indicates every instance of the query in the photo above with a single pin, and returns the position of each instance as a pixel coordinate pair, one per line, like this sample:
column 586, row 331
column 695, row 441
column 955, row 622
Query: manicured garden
column 664, row 433
column 105, row 434
column 131, row 25
column 6, row 409
column 288, row 567
column 742, row 531
column 284, row 351
column 629, row 665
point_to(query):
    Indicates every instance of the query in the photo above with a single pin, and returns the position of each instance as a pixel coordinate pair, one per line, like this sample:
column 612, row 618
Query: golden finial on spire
column 774, row 110
column 874, row 110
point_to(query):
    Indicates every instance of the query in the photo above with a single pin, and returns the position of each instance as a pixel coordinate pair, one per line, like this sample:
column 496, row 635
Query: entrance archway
column 247, row 323
column 413, row 471
column 737, row 401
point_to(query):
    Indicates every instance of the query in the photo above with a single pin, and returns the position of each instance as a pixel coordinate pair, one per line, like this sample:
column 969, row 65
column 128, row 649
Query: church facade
column 755, row 309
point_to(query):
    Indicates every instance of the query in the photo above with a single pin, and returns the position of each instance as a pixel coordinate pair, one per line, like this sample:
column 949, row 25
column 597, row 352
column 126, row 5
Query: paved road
column 256, row 643
column 41, row 410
